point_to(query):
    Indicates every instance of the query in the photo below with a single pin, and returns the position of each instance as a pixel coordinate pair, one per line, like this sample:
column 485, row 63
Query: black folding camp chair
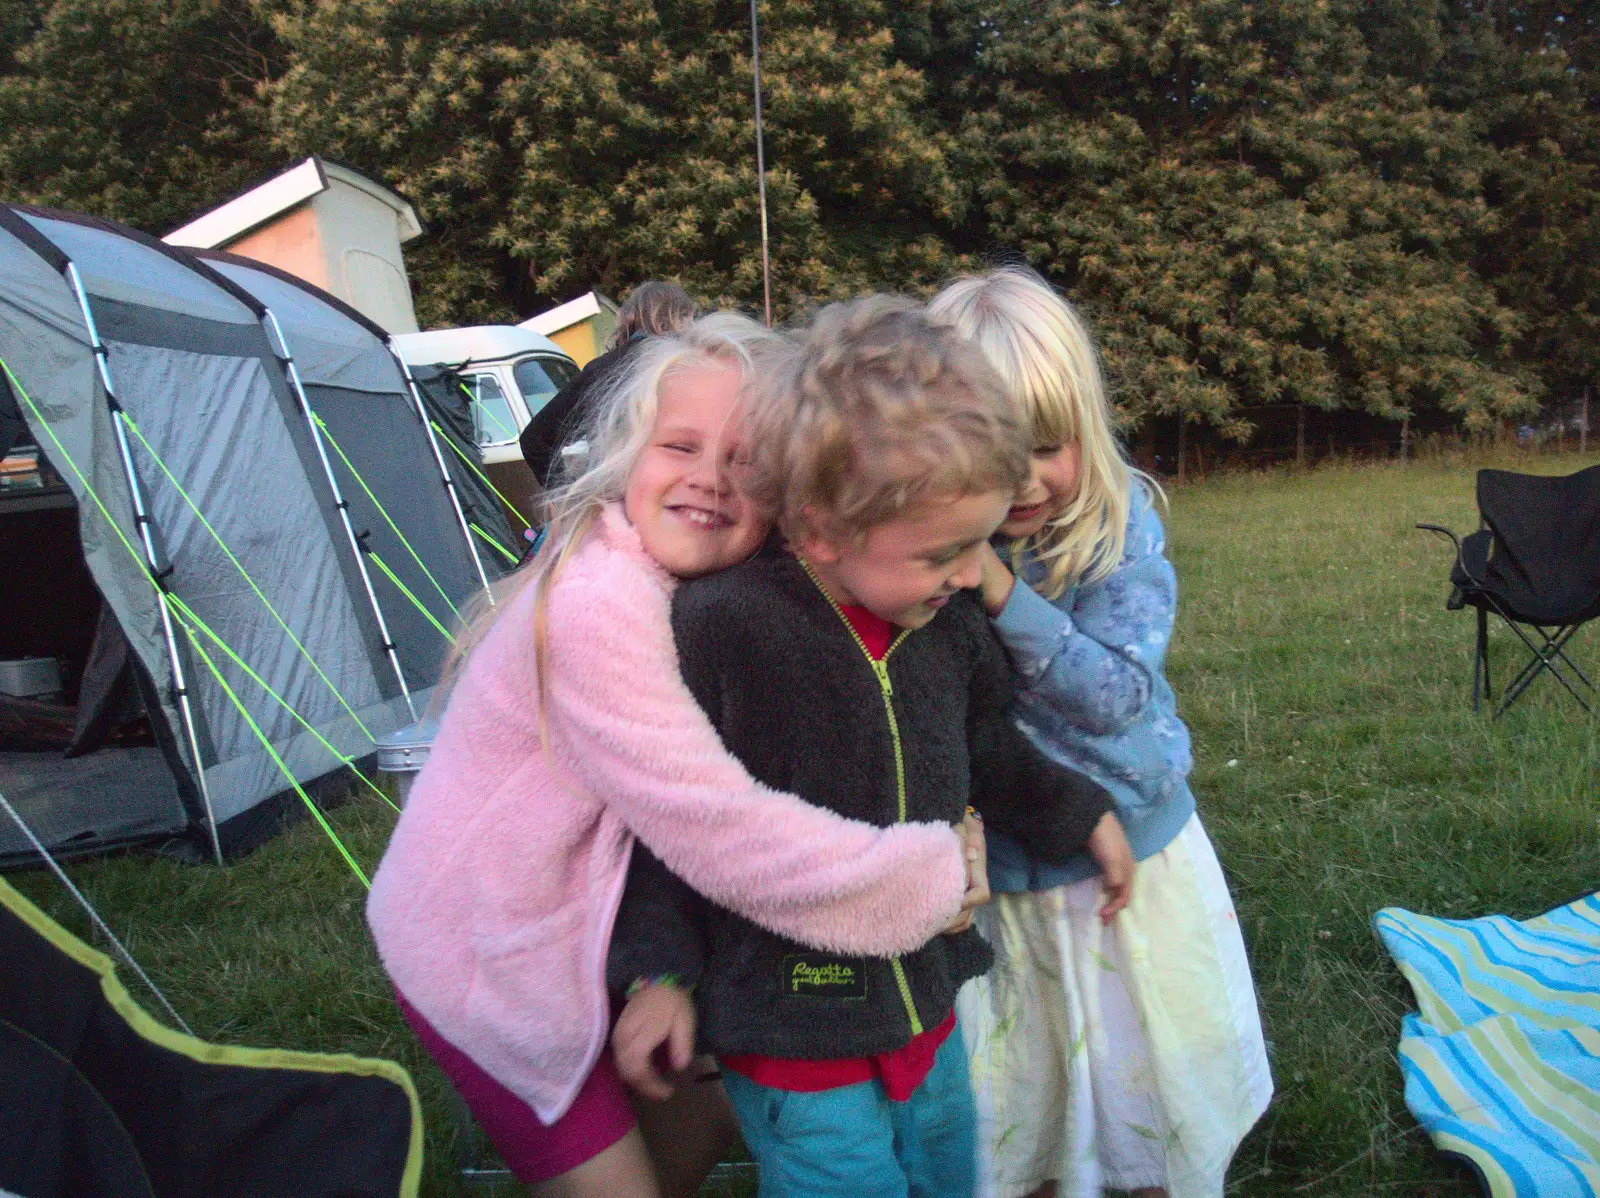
column 1535, row 563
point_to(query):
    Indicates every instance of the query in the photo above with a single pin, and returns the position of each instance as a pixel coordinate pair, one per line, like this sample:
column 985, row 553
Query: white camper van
column 511, row 372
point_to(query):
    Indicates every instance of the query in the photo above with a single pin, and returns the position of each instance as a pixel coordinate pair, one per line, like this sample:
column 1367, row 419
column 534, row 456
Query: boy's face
column 906, row 569
column 681, row 495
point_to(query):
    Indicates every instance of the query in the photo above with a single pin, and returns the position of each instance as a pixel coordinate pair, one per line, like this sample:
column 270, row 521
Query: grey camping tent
column 246, row 486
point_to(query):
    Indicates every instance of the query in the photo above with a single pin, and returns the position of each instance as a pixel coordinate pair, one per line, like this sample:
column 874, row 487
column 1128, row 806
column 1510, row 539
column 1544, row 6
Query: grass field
column 1339, row 768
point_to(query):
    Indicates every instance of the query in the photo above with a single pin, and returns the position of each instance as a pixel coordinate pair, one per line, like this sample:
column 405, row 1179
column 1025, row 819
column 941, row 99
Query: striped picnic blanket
column 1502, row 1061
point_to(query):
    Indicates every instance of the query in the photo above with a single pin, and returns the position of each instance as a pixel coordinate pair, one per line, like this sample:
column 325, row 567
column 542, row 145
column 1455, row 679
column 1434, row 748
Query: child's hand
column 1109, row 848
column 660, row 1014
column 997, row 580
column 975, row 848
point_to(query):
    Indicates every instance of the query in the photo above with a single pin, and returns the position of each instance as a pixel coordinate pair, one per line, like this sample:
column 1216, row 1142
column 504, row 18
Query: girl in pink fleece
column 568, row 733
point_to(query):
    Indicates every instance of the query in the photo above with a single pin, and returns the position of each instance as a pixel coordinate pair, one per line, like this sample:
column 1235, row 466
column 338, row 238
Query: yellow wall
column 578, row 341
column 586, row 340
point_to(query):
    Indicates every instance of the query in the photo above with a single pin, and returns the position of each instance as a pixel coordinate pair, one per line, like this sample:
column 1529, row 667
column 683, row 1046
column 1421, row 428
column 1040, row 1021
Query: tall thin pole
column 761, row 163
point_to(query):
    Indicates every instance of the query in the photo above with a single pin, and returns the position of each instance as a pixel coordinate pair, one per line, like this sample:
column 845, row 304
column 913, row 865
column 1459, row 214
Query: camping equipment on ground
column 98, row 1097
column 1502, row 1059
column 1535, row 563
column 252, row 558
column 405, row 751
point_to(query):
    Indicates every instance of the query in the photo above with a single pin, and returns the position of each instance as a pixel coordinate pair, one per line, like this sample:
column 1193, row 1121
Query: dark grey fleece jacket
column 796, row 699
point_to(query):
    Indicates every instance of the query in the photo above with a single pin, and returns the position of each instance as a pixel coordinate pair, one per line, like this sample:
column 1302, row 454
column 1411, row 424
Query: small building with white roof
column 327, row 224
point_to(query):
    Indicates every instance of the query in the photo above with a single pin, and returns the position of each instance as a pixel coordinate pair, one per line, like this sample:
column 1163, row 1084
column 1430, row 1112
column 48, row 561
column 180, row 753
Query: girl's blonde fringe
column 1046, row 357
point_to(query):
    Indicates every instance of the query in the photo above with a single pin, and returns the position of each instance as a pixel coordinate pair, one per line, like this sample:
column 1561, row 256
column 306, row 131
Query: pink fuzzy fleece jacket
column 493, row 906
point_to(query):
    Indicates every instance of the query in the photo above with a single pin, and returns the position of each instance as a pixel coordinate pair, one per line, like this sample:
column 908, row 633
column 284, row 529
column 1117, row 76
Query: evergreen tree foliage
column 144, row 111
column 1249, row 214
column 1385, row 207
column 593, row 143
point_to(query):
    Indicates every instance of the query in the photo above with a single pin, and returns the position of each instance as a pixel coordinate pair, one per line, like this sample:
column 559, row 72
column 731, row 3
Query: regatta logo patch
column 814, row 975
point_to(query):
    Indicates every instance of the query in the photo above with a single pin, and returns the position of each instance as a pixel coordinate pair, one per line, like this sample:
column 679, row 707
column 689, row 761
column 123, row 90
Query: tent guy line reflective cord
column 188, row 614
column 406, row 591
column 272, row 752
column 170, row 609
column 94, row 916
column 243, row 573
column 494, row 544
column 384, row 512
column 474, row 467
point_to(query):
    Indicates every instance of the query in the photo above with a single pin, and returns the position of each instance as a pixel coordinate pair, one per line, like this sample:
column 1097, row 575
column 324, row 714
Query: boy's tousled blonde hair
column 1045, row 356
column 874, row 408
column 613, row 436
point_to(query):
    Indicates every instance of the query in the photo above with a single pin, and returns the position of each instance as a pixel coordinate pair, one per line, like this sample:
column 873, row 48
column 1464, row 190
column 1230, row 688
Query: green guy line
column 406, row 591
column 495, row 544
column 191, row 615
column 473, row 466
column 384, row 512
column 243, row 573
column 161, row 597
column 266, row 744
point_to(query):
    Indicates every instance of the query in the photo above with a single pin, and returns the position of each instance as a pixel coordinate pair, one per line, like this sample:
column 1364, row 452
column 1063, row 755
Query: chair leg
column 1558, row 644
column 1543, row 659
column 1480, row 659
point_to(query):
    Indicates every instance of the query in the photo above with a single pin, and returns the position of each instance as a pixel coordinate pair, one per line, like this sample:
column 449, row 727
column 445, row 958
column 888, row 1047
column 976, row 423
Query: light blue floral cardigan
column 1092, row 695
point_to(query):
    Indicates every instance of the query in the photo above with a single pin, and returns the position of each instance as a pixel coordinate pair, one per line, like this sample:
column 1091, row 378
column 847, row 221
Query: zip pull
column 881, row 668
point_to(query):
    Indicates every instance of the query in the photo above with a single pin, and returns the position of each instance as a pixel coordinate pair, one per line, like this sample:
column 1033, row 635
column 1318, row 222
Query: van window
column 540, row 378
column 492, row 421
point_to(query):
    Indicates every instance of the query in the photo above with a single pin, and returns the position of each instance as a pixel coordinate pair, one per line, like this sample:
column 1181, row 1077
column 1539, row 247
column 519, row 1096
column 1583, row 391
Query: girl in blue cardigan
column 1116, row 1051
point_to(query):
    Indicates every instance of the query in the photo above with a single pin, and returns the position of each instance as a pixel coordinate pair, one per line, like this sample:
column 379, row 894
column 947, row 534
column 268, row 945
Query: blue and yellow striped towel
column 1502, row 1061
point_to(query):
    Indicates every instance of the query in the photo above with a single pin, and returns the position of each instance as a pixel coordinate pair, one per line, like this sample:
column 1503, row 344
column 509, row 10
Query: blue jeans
column 853, row 1142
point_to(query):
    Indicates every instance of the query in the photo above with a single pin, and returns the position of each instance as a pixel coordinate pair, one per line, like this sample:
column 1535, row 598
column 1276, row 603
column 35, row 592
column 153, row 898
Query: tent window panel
column 217, row 425
column 493, row 422
column 388, row 447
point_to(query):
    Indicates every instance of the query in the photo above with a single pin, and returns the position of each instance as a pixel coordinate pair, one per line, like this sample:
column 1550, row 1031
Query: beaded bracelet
column 659, row 979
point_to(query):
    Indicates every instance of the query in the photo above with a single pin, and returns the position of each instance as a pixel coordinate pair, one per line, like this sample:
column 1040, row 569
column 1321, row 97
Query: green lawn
column 1339, row 769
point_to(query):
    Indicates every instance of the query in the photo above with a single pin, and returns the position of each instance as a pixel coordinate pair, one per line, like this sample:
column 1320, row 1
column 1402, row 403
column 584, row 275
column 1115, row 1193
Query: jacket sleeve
column 623, row 723
column 546, row 434
column 1097, row 663
column 660, row 926
column 1049, row 809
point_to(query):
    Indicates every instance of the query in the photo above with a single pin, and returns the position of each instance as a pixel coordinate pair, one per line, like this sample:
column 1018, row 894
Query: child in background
column 858, row 671
column 1124, row 1053
column 568, row 732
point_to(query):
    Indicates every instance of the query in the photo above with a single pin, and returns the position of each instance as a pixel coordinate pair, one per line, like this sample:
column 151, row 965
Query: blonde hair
column 1046, row 358
column 617, row 432
column 873, row 409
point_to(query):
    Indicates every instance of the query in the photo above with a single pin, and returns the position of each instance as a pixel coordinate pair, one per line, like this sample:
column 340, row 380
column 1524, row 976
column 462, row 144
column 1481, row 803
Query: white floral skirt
column 1123, row 1056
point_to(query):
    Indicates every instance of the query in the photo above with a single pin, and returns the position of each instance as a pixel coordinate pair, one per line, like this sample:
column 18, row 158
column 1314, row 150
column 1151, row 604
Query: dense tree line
column 1384, row 207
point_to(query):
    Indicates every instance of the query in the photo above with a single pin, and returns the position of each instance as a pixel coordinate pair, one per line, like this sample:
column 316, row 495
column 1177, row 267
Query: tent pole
column 143, row 520
column 286, row 360
column 444, row 470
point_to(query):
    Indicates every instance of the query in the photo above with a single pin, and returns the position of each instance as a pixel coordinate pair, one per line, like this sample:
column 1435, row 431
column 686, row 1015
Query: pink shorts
column 599, row 1116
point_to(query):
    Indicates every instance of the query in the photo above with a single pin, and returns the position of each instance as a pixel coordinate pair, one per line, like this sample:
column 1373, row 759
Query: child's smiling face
column 1052, row 484
column 906, row 569
column 681, row 495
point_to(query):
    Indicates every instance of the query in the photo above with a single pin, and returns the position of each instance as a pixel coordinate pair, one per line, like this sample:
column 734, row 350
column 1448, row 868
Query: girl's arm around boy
column 629, row 731
column 1053, row 812
column 1094, row 655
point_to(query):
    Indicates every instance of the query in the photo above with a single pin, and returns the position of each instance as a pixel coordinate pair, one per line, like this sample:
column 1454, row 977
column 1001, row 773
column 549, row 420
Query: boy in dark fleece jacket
column 855, row 671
